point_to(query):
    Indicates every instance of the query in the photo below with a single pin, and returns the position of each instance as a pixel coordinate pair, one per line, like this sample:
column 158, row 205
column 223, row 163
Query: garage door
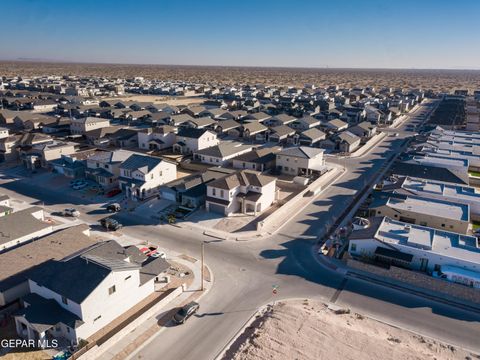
column 167, row 195
column 216, row 208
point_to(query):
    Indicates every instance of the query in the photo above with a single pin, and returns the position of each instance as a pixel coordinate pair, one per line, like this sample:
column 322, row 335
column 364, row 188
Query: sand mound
column 309, row 330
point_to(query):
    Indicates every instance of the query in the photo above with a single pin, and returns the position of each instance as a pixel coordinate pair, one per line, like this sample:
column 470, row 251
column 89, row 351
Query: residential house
column 365, row 130
column 83, row 125
column 282, row 133
column 39, row 155
column 280, row 120
column 335, row 125
column 258, row 159
column 258, row 116
column 221, row 154
column 157, row 138
column 191, row 191
column 140, row 175
column 200, row 123
column 74, row 298
column 437, row 190
column 311, row 137
column 225, row 126
column 190, row 140
column 245, row 191
column 437, row 213
column 251, row 131
column 104, row 167
column 16, row 263
column 392, row 242
column 305, row 123
column 300, row 161
column 347, row 142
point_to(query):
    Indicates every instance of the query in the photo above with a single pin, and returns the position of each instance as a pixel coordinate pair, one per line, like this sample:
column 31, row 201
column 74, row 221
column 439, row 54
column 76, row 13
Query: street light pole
column 202, row 257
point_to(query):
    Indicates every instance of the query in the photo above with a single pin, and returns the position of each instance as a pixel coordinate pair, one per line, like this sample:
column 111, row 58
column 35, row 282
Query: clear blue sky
column 302, row 33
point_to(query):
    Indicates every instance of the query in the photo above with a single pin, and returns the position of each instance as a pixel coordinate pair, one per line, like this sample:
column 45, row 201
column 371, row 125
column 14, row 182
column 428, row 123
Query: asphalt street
column 244, row 272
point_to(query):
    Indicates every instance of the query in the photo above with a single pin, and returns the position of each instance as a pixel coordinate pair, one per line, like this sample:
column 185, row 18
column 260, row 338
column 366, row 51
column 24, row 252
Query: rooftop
column 433, row 207
column 462, row 247
column 20, row 223
column 15, row 263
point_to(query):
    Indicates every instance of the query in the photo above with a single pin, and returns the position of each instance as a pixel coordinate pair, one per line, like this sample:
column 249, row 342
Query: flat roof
column 15, row 263
column 442, row 161
column 461, row 247
column 430, row 187
column 433, row 207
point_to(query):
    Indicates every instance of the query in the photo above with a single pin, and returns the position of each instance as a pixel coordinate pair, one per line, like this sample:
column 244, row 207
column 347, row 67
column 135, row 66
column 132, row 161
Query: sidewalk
column 141, row 335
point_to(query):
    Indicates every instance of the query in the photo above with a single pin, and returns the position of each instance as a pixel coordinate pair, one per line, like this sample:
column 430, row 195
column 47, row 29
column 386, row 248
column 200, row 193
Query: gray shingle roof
column 224, row 149
column 44, row 314
column 135, row 162
column 19, row 224
column 304, row 152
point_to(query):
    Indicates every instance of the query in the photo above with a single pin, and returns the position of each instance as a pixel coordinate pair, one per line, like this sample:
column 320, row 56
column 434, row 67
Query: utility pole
column 203, row 256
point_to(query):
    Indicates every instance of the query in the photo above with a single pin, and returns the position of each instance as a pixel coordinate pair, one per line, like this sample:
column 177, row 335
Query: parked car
column 160, row 254
column 114, row 207
column 78, row 184
column 113, row 193
column 71, row 212
column 110, row 224
column 185, row 312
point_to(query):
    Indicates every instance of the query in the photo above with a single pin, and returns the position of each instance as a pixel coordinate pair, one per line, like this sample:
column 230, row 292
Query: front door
column 423, row 264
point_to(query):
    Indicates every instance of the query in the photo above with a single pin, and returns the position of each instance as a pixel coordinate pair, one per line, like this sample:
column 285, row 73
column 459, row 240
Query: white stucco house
column 245, row 191
column 301, row 160
column 157, row 138
column 222, row 154
column 189, row 140
column 141, row 175
column 72, row 299
column 82, row 125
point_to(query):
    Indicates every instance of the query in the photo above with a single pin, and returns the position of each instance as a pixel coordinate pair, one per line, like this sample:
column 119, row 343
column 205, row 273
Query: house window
column 97, row 318
column 379, row 212
column 151, row 176
column 128, row 277
column 111, row 290
column 64, row 300
column 353, row 247
column 222, row 193
column 443, row 225
column 214, row 192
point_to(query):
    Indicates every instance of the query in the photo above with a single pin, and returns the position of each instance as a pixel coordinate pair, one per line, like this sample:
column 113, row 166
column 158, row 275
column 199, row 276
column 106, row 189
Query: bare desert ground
column 158, row 99
column 309, row 330
column 406, row 78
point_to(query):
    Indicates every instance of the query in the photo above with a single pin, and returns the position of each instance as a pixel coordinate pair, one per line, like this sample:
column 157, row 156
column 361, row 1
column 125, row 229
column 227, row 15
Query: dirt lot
column 408, row 78
column 309, row 330
column 158, row 99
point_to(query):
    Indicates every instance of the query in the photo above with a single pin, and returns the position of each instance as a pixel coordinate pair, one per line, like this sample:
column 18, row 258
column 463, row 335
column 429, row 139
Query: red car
column 113, row 192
